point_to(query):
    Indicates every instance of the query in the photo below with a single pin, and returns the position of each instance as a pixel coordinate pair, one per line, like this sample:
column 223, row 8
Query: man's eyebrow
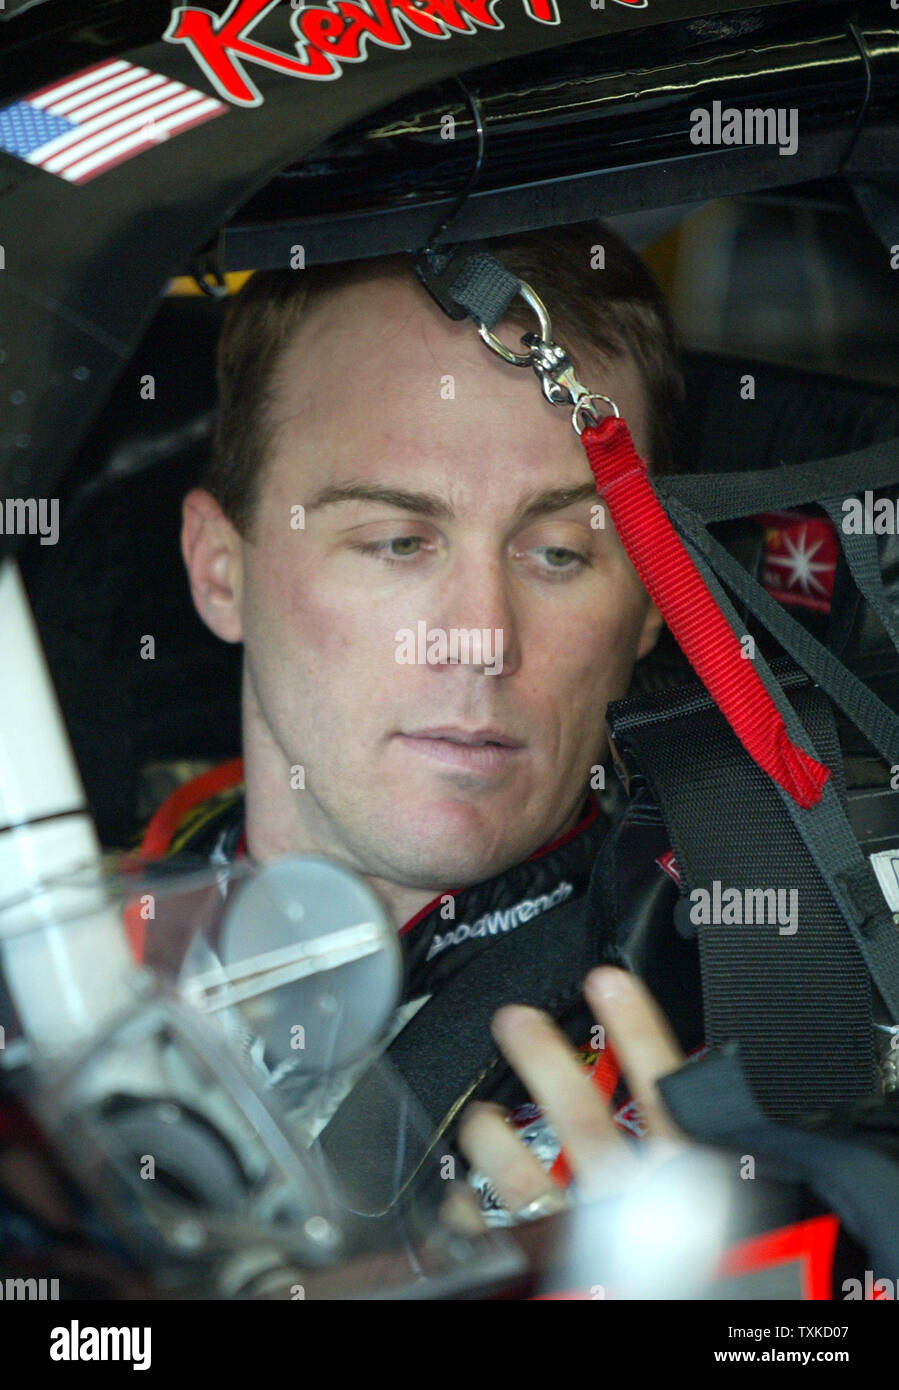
column 556, row 499
column 423, row 503
column 428, row 504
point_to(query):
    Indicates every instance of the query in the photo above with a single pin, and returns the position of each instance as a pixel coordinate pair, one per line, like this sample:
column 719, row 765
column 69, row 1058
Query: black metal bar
column 599, row 129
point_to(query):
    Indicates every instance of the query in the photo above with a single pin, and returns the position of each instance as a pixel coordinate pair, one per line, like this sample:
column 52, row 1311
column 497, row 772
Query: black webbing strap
column 466, row 282
column 726, row 496
column 816, row 713
column 877, row 721
column 709, row 498
column 447, row 1047
column 823, row 827
column 798, row 1002
column 829, row 838
column 863, row 558
column 711, row 1101
column 696, row 501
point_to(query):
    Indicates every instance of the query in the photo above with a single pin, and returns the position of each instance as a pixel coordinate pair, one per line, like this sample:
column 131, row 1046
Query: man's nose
column 476, row 599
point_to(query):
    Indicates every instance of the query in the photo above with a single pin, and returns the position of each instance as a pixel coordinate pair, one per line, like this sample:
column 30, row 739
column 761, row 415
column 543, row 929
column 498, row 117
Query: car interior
column 139, row 728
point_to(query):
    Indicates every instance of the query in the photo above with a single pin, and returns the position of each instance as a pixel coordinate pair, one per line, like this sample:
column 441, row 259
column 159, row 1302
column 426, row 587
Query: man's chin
column 454, row 846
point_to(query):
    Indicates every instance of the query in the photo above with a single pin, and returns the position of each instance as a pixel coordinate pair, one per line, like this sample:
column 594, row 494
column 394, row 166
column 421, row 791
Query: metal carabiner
column 520, row 359
column 550, row 361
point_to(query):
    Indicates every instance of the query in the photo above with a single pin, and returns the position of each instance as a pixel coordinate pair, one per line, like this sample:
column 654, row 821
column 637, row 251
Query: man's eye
column 560, row 559
column 396, row 548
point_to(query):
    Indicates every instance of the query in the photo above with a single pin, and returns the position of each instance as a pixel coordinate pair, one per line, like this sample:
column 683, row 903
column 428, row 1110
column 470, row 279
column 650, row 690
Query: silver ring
column 549, row 1204
column 584, row 403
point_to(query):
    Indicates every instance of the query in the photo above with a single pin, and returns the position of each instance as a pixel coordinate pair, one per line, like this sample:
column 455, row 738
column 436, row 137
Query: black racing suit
column 529, row 935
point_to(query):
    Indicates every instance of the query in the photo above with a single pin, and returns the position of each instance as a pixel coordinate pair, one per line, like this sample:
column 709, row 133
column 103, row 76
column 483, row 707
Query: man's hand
column 544, row 1060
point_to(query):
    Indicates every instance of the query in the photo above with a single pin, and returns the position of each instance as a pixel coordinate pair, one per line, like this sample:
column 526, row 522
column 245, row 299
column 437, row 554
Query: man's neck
column 270, row 836
column 404, row 903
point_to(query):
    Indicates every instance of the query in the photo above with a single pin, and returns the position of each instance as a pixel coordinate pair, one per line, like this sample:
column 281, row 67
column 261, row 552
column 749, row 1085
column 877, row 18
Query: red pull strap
column 696, row 621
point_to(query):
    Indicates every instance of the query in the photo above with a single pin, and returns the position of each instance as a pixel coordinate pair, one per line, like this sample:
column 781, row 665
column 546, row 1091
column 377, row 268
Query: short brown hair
column 605, row 311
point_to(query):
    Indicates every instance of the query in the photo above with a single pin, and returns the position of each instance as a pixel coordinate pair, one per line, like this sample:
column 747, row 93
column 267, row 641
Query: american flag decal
column 99, row 117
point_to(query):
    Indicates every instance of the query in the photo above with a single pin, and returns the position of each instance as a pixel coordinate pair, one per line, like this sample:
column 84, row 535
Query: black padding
column 795, row 416
column 116, row 577
column 712, row 1102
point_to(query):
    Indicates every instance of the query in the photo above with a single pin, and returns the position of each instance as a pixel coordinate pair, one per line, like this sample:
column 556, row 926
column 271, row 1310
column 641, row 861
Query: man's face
column 432, row 477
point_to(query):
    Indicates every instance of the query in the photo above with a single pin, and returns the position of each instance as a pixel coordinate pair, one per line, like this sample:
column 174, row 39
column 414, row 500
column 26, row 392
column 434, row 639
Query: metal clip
column 551, row 363
column 207, row 268
column 556, row 371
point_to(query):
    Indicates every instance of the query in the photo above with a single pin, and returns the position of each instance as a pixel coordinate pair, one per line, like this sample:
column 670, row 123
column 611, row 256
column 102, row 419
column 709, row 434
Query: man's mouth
column 475, row 750
column 475, row 738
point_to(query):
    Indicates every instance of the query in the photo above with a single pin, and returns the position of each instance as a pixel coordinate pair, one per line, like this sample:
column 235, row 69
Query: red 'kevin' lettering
column 327, row 35
column 219, row 48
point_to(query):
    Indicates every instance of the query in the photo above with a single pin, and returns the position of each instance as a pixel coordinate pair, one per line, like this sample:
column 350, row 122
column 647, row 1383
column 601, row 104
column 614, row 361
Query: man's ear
column 653, row 622
column 212, row 553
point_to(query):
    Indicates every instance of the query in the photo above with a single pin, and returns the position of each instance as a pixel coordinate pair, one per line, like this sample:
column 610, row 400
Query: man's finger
column 493, row 1148
column 543, row 1059
column 459, row 1212
column 641, row 1035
